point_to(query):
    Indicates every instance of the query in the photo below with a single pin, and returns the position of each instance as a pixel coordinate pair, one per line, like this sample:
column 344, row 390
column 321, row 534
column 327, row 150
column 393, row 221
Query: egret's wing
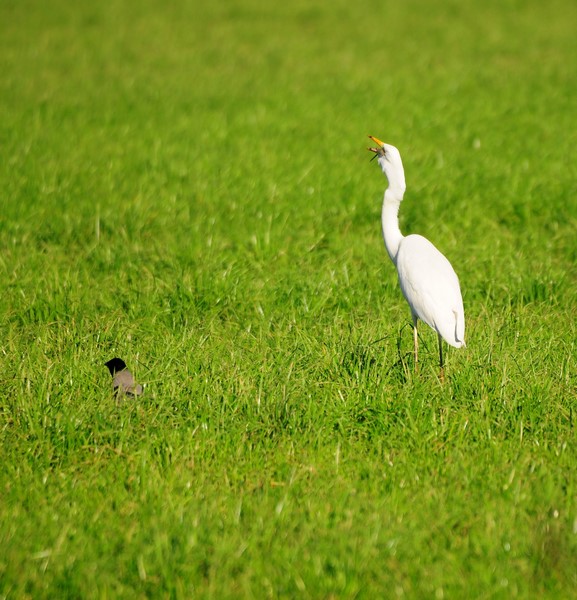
column 431, row 287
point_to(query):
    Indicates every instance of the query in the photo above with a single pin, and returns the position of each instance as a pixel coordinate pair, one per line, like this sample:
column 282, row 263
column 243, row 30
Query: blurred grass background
column 186, row 186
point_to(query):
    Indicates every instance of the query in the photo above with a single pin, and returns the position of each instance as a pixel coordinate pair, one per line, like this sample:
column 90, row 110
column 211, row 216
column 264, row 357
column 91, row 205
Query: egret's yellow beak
column 379, row 150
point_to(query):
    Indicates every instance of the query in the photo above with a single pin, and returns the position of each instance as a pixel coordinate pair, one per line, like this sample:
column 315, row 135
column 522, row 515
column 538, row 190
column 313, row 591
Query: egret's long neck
column 390, row 221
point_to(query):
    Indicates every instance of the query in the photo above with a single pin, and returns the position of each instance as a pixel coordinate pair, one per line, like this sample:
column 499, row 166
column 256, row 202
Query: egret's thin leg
column 416, row 341
column 441, row 366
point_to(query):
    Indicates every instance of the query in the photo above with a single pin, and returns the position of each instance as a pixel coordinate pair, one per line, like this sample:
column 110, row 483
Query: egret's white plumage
column 427, row 279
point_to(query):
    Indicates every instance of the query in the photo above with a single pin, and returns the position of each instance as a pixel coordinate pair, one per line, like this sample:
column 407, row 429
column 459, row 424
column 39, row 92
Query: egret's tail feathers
column 459, row 329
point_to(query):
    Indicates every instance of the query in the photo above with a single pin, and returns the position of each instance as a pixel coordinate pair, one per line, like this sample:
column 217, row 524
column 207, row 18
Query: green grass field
column 186, row 185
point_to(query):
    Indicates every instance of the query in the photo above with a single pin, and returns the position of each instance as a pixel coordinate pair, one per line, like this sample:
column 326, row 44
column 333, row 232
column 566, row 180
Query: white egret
column 427, row 279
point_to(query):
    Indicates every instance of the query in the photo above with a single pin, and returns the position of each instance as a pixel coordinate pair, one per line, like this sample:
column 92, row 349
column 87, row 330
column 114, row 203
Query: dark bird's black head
column 115, row 365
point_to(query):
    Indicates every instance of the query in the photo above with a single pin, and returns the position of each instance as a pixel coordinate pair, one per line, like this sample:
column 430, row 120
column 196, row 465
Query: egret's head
column 389, row 159
column 387, row 155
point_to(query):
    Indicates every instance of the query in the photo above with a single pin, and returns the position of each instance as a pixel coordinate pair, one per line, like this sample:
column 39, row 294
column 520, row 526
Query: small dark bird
column 122, row 379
